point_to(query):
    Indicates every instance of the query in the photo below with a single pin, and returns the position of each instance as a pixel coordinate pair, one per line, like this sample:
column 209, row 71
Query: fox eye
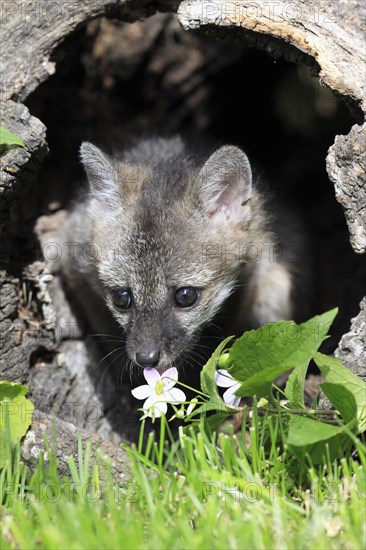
column 186, row 296
column 121, row 297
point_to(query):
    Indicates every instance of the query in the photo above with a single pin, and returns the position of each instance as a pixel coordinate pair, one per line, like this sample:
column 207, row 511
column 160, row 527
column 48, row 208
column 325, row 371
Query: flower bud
column 224, row 360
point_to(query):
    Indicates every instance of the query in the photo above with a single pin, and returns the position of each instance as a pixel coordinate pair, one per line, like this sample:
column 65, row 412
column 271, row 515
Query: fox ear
column 225, row 182
column 102, row 176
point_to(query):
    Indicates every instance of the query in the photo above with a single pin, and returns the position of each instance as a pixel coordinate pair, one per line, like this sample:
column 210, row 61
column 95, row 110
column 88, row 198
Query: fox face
column 165, row 226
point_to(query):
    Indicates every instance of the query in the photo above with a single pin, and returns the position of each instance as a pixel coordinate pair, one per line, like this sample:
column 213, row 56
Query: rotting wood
column 48, row 433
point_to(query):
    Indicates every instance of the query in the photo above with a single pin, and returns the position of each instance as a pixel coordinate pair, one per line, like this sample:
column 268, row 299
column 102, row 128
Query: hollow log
column 327, row 36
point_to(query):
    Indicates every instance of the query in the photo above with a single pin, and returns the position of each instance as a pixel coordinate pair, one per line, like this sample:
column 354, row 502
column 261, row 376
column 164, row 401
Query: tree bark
column 19, row 166
column 351, row 350
column 62, row 439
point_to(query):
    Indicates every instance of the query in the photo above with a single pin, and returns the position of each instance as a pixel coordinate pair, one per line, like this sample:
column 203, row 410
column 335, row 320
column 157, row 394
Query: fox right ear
column 102, row 176
column 225, row 183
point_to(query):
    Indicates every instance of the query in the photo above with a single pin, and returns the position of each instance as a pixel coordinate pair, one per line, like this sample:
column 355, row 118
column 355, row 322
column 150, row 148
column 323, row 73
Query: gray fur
column 160, row 219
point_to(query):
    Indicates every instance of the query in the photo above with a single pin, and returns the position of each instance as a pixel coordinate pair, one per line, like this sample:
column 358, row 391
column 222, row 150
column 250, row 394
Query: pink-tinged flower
column 159, row 391
column 224, row 380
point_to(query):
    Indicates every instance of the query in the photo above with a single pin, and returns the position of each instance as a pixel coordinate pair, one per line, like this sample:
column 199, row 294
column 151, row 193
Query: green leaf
column 342, row 399
column 345, row 390
column 259, row 356
column 294, row 389
column 310, row 436
column 208, row 383
column 15, row 416
column 8, row 138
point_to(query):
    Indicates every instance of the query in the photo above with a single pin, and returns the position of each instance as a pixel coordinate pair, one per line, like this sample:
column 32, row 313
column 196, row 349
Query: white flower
column 159, row 391
column 224, row 379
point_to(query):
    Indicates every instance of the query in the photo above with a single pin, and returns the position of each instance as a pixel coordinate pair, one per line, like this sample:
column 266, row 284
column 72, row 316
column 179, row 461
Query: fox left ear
column 225, row 182
column 102, row 176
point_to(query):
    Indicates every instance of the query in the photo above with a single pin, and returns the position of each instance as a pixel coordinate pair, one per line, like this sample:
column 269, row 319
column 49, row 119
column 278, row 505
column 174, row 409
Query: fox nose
column 148, row 358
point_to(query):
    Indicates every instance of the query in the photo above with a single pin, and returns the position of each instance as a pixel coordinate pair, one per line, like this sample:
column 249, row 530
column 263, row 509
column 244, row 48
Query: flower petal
column 141, row 392
column 160, row 408
column 170, row 377
column 229, row 396
column 154, row 406
column 152, row 376
column 175, row 396
column 151, row 400
column 224, row 379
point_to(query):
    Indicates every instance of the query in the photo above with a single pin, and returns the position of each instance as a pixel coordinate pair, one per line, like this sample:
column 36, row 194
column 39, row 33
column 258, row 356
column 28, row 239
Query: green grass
column 236, row 492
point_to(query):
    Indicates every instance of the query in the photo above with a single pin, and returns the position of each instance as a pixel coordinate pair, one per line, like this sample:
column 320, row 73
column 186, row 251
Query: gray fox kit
column 168, row 241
